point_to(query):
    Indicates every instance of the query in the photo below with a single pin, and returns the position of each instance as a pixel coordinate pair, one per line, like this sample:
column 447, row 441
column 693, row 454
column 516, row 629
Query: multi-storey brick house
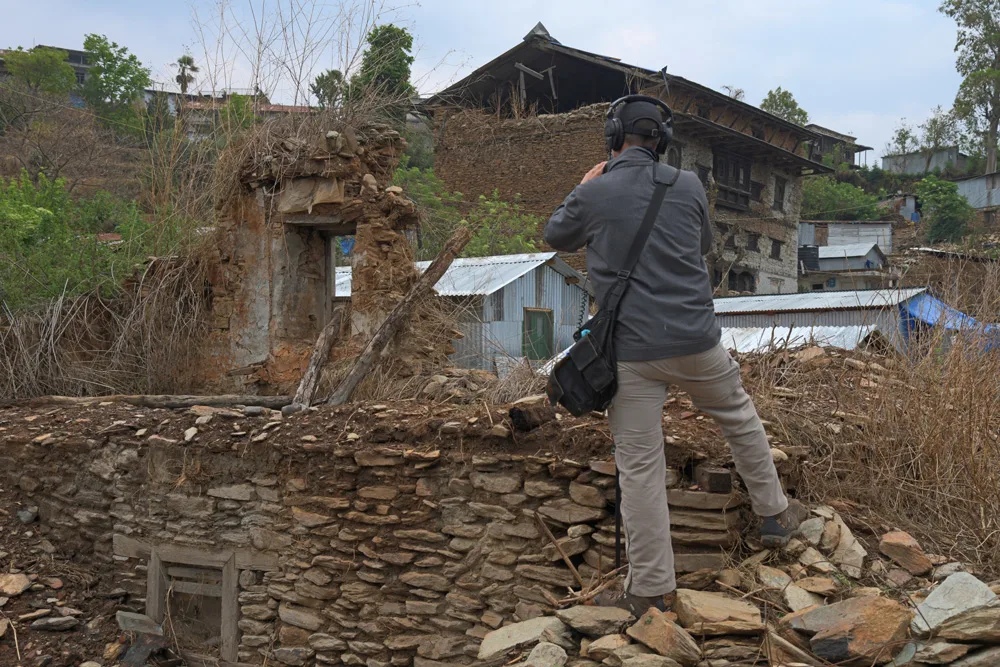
column 530, row 123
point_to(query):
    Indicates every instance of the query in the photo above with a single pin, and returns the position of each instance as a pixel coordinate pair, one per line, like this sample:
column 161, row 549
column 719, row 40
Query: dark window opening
column 728, row 235
column 742, row 281
column 756, row 190
column 776, row 249
column 716, row 278
column 753, row 242
column 674, row 156
column 757, row 131
column 703, row 173
column 817, row 287
column 81, row 77
column 702, row 111
column 732, row 173
column 779, row 193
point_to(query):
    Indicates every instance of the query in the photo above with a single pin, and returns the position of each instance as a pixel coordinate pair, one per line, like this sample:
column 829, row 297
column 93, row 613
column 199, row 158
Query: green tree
column 782, row 104
column 186, row 69
column 385, row 66
column 949, row 212
column 937, row 132
column 328, row 88
column 824, row 198
column 978, row 48
column 116, row 78
column 237, row 113
column 41, row 69
column 904, row 140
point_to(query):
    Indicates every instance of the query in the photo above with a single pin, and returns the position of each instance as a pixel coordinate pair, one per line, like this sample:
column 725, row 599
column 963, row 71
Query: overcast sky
column 857, row 66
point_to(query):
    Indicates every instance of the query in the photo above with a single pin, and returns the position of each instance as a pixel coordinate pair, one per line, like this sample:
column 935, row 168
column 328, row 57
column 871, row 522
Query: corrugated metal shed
column 761, row 339
column 841, row 251
column 468, row 276
column 815, row 301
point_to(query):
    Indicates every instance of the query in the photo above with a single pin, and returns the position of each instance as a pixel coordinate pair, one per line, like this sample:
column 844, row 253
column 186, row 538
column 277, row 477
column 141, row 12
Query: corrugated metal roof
column 841, row 251
column 811, row 301
column 761, row 339
column 469, row 276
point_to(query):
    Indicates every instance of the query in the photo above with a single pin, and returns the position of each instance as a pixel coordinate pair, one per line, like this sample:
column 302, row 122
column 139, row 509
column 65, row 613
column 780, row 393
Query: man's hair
column 642, row 140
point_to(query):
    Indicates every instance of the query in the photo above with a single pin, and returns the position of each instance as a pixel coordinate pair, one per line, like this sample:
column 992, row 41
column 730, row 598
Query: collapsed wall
column 367, row 535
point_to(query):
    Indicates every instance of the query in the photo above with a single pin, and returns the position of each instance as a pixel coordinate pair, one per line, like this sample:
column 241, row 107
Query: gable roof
column 482, row 276
column 816, row 301
column 847, row 251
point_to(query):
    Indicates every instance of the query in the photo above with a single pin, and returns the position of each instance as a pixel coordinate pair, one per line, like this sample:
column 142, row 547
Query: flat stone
column 701, row 500
column 859, row 629
column 434, row 582
column 603, row 467
column 649, row 660
column 550, row 575
column 310, row 519
column 705, row 520
column 811, row 530
column 941, row 653
column 27, row 515
column 242, row 492
column 602, row 648
column 542, row 488
column 12, row 585
column 715, row 614
column 571, row 546
column 588, row 496
column 442, row 647
column 905, row 551
column 4, row 626
column 819, row 585
column 772, row 577
column 371, row 459
column 491, row 511
column 849, row 554
column 546, row 655
column 595, row 621
column 518, row 635
column 295, row 656
column 55, row 624
column 987, row 658
column 979, row 624
column 378, row 492
column 958, row 593
column 496, row 482
column 944, row 571
column 566, row 511
column 817, row 561
column 665, row 637
column 798, row 599
column 300, row 618
column 130, row 622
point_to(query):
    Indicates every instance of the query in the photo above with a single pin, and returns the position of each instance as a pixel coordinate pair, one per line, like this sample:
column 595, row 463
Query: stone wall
column 541, row 159
column 405, row 545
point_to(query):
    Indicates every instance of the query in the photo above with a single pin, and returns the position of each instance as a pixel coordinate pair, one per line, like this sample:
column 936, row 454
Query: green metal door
column 538, row 342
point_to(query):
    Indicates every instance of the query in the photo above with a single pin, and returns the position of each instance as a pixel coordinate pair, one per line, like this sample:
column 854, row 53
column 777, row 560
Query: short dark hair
column 641, row 139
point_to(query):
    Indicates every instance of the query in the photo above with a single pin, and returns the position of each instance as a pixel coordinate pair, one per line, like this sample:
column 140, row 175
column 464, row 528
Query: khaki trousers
column 712, row 380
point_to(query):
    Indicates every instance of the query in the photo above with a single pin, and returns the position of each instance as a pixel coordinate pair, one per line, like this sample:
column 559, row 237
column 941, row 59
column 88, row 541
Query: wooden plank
column 174, row 553
column 230, row 639
column 129, row 548
column 156, row 591
column 246, row 559
column 195, row 573
column 196, row 588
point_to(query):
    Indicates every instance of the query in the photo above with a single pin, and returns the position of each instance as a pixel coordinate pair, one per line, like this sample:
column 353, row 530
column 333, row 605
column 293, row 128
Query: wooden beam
column 156, row 588
column 230, row 639
column 307, row 386
column 246, row 559
column 196, row 573
column 195, row 588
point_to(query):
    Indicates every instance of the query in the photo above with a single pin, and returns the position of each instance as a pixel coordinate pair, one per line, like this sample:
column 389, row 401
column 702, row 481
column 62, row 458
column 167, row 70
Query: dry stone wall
column 405, row 546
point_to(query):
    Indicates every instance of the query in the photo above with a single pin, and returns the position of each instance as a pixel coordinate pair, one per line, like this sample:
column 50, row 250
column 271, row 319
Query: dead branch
column 156, row 401
column 400, row 315
column 307, row 386
column 555, row 543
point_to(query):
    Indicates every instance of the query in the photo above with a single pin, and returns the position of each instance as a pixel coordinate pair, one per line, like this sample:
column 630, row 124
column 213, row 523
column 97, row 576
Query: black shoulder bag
column 586, row 379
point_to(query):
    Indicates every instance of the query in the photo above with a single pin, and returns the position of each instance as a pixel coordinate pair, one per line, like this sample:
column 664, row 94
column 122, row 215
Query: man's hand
column 597, row 170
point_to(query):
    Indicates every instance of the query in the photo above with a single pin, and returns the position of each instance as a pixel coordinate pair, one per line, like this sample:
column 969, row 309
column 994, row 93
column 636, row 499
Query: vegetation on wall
column 826, row 198
column 782, row 104
column 949, row 212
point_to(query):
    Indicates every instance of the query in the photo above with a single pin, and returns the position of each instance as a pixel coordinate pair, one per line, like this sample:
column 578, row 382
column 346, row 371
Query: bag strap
column 641, row 237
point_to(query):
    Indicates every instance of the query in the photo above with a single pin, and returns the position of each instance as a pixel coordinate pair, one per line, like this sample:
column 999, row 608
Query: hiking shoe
column 637, row 605
column 777, row 530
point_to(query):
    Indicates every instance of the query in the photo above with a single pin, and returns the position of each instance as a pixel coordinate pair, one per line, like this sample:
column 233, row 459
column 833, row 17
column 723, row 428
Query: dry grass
column 916, row 443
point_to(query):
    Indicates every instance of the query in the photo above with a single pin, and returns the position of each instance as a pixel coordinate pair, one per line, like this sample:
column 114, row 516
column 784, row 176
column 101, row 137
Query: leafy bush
column 824, row 198
column 500, row 227
column 49, row 244
column 949, row 212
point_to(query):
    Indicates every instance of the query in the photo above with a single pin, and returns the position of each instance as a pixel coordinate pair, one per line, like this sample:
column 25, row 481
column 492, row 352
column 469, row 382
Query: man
column 666, row 334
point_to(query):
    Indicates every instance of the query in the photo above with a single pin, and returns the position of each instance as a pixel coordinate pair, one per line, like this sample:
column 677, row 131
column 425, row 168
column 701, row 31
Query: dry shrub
column 140, row 341
column 915, row 444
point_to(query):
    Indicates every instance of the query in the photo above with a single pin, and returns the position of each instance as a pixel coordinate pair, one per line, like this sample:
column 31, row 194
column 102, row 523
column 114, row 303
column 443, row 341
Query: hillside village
column 273, row 369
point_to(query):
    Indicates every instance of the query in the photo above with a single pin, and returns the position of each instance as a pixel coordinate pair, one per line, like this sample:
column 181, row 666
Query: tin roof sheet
column 842, row 251
column 816, row 301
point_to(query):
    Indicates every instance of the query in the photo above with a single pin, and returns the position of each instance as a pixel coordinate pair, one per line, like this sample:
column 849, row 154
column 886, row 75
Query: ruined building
column 530, row 123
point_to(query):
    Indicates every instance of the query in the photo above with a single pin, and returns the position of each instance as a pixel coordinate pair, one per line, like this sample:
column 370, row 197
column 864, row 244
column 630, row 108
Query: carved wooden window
column 732, row 174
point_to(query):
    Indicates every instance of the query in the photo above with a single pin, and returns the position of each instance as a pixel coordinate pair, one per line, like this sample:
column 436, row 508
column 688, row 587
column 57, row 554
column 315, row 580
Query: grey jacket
column 667, row 310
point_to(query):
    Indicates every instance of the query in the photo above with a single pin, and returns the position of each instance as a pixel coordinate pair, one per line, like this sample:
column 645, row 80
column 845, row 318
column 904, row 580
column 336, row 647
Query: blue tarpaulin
column 926, row 310
column 346, row 244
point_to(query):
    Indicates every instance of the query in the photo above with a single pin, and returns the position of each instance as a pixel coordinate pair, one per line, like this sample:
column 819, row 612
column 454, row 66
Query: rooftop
column 816, row 301
column 468, row 276
column 851, row 250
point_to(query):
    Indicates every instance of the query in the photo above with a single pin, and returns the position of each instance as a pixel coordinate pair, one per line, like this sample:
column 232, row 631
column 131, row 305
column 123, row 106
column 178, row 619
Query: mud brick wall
column 403, row 546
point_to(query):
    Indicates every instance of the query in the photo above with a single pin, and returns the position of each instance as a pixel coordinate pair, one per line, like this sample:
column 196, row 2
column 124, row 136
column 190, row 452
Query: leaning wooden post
column 400, row 314
column 307, row 386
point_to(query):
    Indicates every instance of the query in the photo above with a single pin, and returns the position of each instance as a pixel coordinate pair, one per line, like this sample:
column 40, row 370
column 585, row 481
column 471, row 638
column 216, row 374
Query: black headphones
column 615, row 131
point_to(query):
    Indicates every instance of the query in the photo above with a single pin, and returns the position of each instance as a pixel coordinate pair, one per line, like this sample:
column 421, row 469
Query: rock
column 819, row 585
column 599, row 649
column 242, row 492
column 542, row 488
column 716, row 614
column 665, row 637
column 798, row 599
column 556, row 576
column 131, row 622
column 595, row 621
column 700, row 500
column 4, row 625
column 811, row 530
column 300, row 617
column 988, row 658
column 324, row 642
column 12, row 585
column 941, row 653
column 899, row 577
column 849, row 554
column 957, row 594
column 496, row 483
column 546, row 655
column 90, row 663
column 370, row 459
column 649, row 661
column 566, row 511
column 698, row 580
column 294, row 657
column 771, row 577
column 905, row 551
column 831, row 536
column 571, row 546
column 55, row 624
column 517, row 635
column 817, row 561
column 860, row 629
column 434, row 582
column 27, row 515
column 730, row 577
column 588, row 496
column 943, row 572
column 979, row 624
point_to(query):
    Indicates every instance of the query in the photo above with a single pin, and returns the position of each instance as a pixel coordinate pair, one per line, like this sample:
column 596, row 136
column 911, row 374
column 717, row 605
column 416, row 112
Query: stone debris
column 905, row 551
column 959, row 593
column 704, row 613
column 663, row 636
